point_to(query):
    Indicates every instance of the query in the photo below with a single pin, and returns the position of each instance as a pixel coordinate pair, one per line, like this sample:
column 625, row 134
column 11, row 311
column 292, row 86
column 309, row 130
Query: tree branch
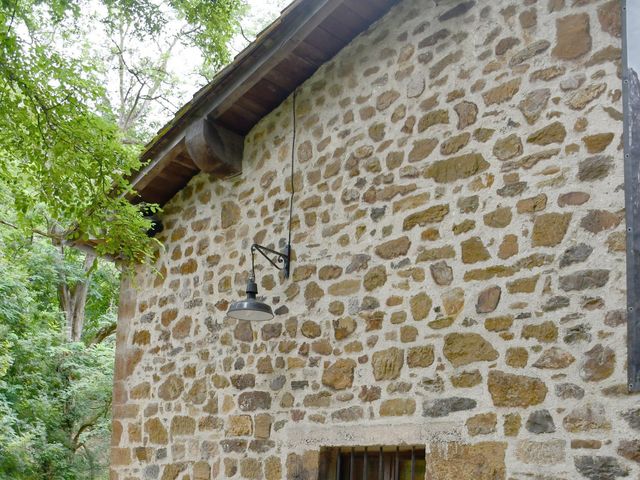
column 104, row 333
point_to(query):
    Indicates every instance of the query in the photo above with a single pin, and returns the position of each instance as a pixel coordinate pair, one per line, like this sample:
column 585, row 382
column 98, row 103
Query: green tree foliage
column 62, row 154
column 55, row 395
column 66, row 158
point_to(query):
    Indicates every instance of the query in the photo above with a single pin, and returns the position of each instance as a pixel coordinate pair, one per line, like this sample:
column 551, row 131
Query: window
column 378, row 463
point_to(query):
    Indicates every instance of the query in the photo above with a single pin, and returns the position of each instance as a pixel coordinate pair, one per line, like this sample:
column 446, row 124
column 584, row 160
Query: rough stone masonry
column 458, row 275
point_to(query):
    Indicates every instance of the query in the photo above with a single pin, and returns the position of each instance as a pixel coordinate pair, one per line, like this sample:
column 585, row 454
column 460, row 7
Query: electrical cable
column 293, row 150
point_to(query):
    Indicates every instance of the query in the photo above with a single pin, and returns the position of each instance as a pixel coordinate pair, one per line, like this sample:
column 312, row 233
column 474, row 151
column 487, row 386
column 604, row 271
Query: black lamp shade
column 250, row 309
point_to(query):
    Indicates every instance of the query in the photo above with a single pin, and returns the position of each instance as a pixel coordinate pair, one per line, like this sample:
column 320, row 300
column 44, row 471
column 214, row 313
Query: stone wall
column 459, row 265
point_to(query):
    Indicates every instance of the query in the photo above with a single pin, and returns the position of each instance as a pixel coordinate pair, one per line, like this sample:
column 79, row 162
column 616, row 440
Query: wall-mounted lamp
column 251, row 308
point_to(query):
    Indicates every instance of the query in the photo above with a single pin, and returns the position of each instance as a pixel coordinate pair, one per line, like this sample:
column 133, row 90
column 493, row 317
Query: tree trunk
column 73, row 299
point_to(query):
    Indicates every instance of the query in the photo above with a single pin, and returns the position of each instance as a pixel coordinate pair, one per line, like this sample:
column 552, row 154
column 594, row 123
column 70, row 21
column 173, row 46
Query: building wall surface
column 459, row 265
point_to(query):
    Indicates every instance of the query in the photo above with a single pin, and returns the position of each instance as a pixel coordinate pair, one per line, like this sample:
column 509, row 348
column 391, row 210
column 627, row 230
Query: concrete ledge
column 311, row 437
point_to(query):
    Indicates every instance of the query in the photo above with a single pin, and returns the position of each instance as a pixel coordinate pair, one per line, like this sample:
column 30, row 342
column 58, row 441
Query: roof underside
column 305, row 36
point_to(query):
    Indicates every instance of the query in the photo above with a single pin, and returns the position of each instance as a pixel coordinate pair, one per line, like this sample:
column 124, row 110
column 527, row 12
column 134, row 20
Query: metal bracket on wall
column 282, row 259
column 631, row 105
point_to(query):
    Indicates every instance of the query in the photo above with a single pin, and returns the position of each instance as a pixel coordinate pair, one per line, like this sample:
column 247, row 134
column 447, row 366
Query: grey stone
column 359, row 262
column 243, row 331
column 600, row 467
column 243, row 381
column 488, row 299
column 369, row 303
column 444, row 406
column 457, row 11
column 615, row 318
column 512, row 189
column 271, row 330
column 434, row 38
column 576, row 254
column 566, row 391
column 261, row 445
column 633, row 418
column 278, row 382
column 435, row 384
column 250, row 401
column 281, row 310
column 233, row 445
column 350, row 414
column 415, row 87
column 556, row 303
column 151, row 472
column 534, row 103
column 441, row 272
column 584, row 279
column 577, row 334
column 594, row 168
column 573, row 83
column 529, row 52
column 598, row 363
column 540, row 421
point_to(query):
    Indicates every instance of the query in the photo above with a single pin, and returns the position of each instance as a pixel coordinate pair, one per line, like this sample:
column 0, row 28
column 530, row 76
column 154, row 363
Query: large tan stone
column 397, row 407
column 482, row 424
column 343, row 327
column 345, row 287
column 229, row 214
column 473, row 250
column 435, row 117
column 573, row 38
column 498, row 218
column 156, row 432
column 579, row 99
column 455, row 143
column 422, row 149
column 420, row 357
column 467, row 379
column 465, row 348
column 552, row 133
column 610, row 18
column 393, row 248
column 508, row 147
column 456, row 168
column 171, row 388
column 455, row 461
column 549, row 229
column 387, row 364
column 502, row 92
column 453, row 301
column 544, row 332
column 434, row 214
column 597, row 143
column 509, row 390
column 183, row 425
column 339, row 375
column 467, row 114
column 420, row 306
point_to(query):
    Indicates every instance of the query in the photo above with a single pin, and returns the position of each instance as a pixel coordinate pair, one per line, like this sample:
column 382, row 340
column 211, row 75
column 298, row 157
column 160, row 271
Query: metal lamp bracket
column 280, row 260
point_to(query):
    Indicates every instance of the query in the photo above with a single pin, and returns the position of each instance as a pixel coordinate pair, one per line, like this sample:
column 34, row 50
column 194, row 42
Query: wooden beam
column 214, row 149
